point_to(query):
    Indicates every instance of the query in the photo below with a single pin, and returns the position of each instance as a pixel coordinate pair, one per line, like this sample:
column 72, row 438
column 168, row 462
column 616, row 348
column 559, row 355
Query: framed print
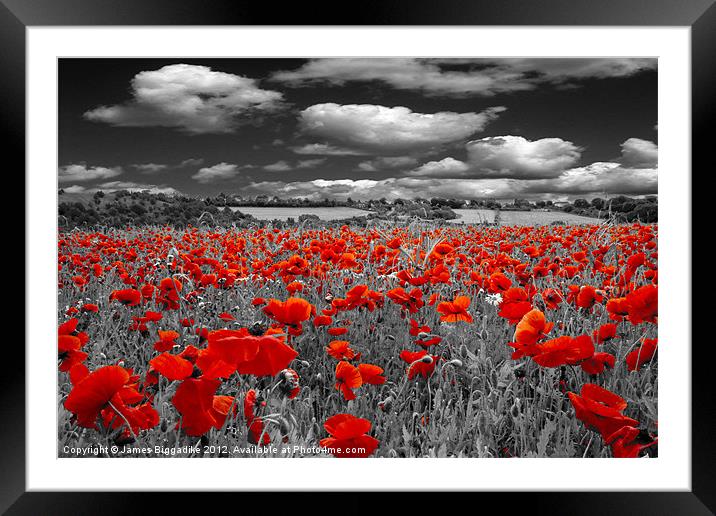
column 418, row 250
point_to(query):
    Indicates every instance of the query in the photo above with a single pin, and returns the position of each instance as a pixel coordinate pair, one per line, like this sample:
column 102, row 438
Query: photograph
column 357, row 257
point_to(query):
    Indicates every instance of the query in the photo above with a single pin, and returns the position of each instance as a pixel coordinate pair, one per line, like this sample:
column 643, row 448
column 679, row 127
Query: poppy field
column 403, row 341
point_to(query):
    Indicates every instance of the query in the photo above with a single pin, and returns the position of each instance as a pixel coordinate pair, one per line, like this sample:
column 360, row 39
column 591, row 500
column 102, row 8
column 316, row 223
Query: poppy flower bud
column 164, row 425
column 284, row 427
column 455, row 362
column 123, row 439
column 515, row 409
column 386, row 404
column 463, row 351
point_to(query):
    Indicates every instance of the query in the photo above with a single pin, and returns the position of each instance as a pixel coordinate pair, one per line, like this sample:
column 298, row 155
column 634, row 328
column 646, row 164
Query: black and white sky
column 360, row 127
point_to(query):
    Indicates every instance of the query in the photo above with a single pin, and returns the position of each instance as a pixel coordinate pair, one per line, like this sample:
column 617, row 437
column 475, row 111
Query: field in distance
column 285, row 213
column 475, row 216
column 521, row 218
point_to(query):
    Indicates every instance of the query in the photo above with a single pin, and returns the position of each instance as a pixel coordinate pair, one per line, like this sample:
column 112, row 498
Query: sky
column 360, row 128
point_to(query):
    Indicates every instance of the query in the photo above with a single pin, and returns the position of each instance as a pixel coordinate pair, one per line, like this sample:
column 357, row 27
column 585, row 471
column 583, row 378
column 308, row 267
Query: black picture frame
column 700, row 15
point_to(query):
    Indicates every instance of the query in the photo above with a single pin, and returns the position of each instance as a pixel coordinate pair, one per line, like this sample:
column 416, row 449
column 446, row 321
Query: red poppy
column 597, row 363
column 532, row 328
column 411, row 301
column 629, row 442
column 642, row 354
column 337, row 332
column 340, row 350
column 322, row 320
column 514, row 305
column 371, row 374
column 618, row 308
column 194, row 400
column 552, row 298
column 128, row 297
column 600, row 409
column 643, row 304
column 166, row 340
column 587, row 297
column 563, row 350
column 419, row 363
column 291, row 312
column 455, row 310
column 94, row 392
column 347, row 379
column 605, row 332
column 348, row 436
column 254, row 423
column 230, row 351
column 172, row 367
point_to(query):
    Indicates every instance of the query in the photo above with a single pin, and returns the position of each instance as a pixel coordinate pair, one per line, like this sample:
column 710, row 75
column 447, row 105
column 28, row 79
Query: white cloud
column 476, row 76
column 447, row 167
column 601, row 177
column 284, row 166
column 217, row 172
column 310, row 163
column 279, row 166
column 506, row 156
column 191, row 162
column 597, row 179
column 568, row 69
column 115, row 186
column 376, row 128
column 323, row 149
column 190, row 98
column 150, row 168
column 515, row 156
column 74, row 173
column 638, row 153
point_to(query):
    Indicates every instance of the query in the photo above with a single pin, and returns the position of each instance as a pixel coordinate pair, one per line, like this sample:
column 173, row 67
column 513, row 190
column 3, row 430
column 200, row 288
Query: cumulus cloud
column 190, row 98
column 515, row 156
column 115, row 186
column 191, row 162
column 446, row 167
column 310, row 163
column 459, row 77
column 323, row 149
column 600, row 177
column 597, row 179
column 382, row 129
column 638, row 153
column 284, row 166
column 279, row 166
column 80, row 173
column 150, row 168
column 506, row 156
column 217, row 172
